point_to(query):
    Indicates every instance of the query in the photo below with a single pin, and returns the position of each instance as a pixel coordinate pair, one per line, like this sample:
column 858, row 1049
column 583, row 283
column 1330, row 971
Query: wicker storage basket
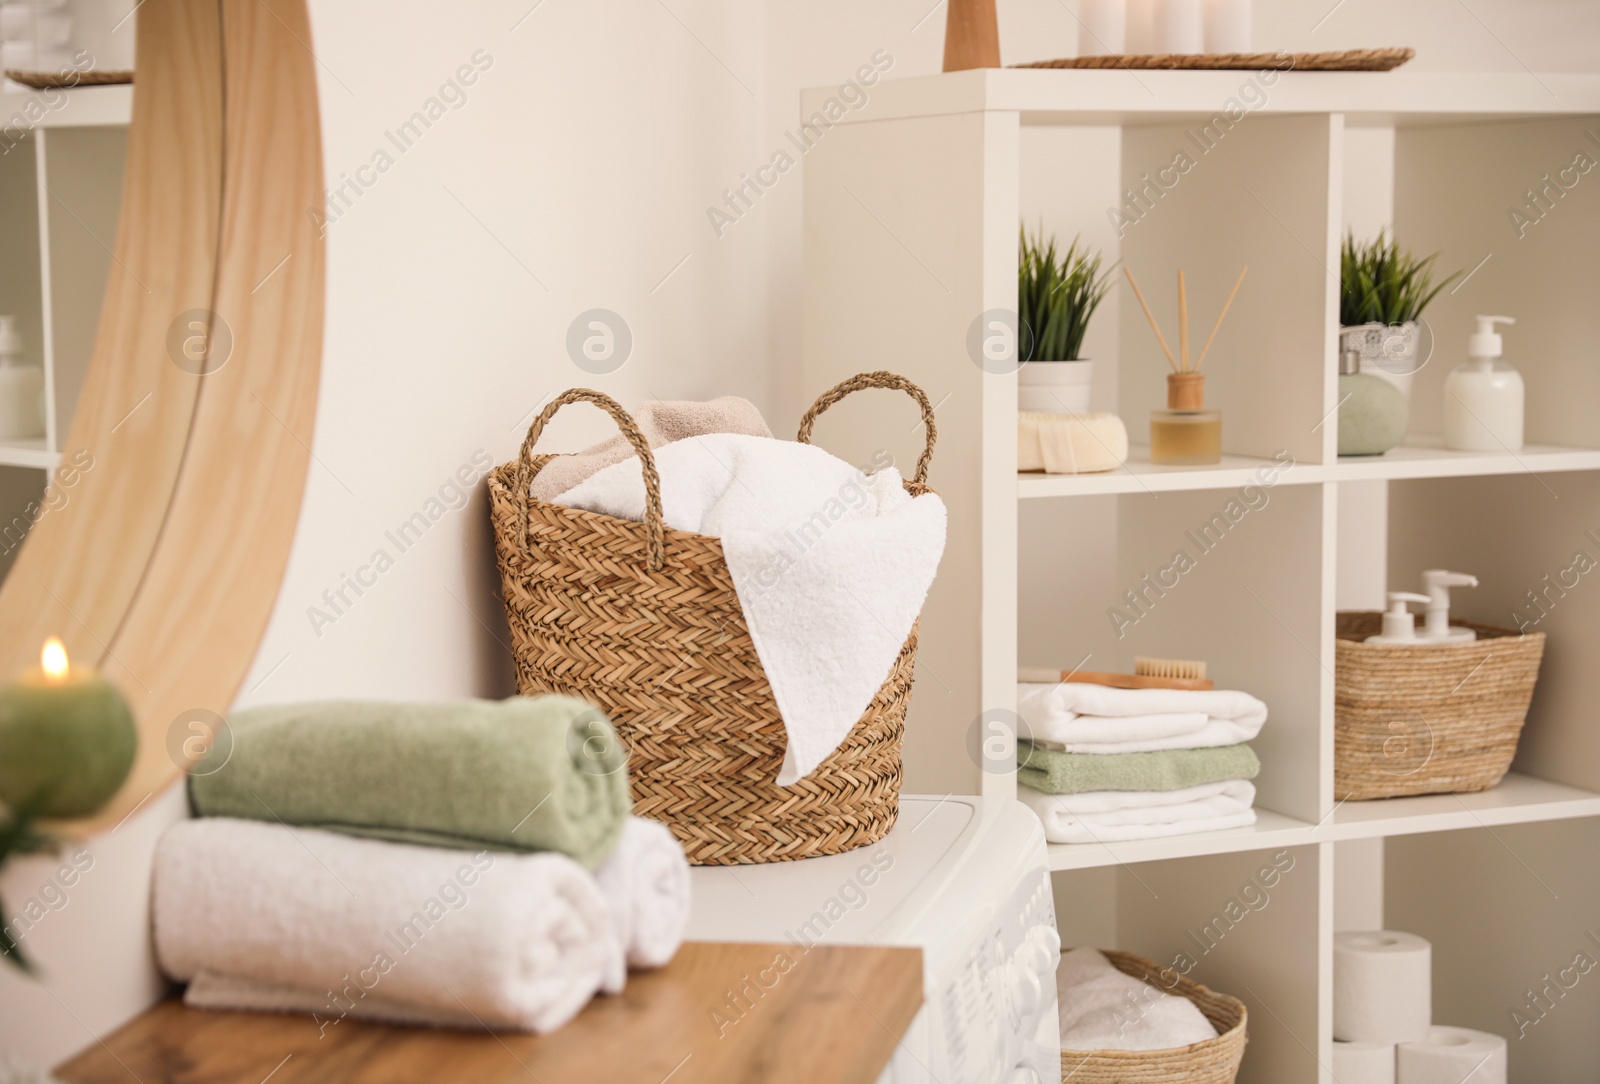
column 1428, row 719
column 1214, row 1061
column 643, row 621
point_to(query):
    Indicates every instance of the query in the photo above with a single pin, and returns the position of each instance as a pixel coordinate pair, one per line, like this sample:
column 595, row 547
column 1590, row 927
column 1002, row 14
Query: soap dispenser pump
column 1399, row 624
column 1438, row 630
column 1483, row 397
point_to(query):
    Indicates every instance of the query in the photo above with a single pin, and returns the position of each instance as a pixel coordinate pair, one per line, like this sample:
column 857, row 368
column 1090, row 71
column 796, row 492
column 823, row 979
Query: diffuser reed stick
column 1148, row 315
column 1183, row 321
column 1226, row 305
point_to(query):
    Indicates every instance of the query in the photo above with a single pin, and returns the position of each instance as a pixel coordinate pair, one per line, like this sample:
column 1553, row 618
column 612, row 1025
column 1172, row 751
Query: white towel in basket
column 831, row 565
column 1103, row 1009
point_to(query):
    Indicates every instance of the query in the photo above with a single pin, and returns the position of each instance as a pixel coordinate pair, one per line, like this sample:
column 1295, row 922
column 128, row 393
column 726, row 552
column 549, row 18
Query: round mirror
column 158, row 381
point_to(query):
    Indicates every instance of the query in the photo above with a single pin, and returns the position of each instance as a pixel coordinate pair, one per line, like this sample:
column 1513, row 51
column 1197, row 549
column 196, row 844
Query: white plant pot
column 1057, row 387
column 1387, row 350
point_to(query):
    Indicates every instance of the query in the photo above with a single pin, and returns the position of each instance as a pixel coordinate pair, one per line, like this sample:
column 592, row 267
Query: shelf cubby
column 1248, row 922
column 912, row 204
column 1508, row 910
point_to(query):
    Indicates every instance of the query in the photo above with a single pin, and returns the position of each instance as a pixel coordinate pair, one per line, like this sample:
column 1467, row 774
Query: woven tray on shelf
column 1345, row 60
column 643, row 622
column 1214, row 1061
column 1429, row 718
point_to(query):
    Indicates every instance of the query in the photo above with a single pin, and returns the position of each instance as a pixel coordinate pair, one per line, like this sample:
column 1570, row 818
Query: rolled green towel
column 1057, row 772
column 526, row 774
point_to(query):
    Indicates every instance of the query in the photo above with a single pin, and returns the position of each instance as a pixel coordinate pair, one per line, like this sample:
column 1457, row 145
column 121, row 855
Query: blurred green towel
column 1054, row 771
column 526, row 774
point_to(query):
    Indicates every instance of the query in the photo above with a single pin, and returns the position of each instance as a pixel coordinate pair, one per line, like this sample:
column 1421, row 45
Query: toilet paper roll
column 1382, row 987
column 1363, row 1063
column 1452, row 1056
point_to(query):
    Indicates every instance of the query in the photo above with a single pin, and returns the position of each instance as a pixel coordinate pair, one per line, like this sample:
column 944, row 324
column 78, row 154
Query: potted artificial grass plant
column 1057, row 294
column 1382, row 291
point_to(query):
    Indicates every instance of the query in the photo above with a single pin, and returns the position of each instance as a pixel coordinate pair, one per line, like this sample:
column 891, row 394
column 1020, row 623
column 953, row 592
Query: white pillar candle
column 1227, row 27
column 1102, row 27
column 1141, row 35
column 1178, row 26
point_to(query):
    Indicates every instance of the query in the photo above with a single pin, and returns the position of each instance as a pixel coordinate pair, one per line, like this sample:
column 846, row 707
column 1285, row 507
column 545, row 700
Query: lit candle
column 67, row 739
column 1228, row 26
column 1178, row 26
column 1102, row 25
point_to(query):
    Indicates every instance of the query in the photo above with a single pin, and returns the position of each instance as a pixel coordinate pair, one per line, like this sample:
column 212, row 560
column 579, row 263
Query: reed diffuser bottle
column 1186, row 433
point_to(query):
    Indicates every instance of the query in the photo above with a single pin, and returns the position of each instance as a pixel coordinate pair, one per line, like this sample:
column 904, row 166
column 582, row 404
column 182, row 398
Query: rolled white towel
column 1085, row 718
column 364, row 927
column 646, row 884
column 1114, row 816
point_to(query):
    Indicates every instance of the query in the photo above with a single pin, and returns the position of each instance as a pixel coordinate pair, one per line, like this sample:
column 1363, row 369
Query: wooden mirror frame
column 162, row 564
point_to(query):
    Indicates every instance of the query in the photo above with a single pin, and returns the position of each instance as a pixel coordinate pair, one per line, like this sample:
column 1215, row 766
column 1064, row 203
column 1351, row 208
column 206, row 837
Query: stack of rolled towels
column 1099, row 764
column 468, row 864
column 1383, row 1028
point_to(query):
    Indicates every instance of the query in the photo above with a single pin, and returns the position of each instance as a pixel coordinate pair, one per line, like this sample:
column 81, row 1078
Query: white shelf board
column 1272, row 831
column 1518, row 799
column 1139, row 475
column 80, row 107
column 27, row 453
column 1427, row 458
column 1418, row 458
column 1116, row 96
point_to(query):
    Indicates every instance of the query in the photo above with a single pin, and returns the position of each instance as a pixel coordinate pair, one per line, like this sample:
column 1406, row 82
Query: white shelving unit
column 60, row 180
column 61, row 165
column 912, row 204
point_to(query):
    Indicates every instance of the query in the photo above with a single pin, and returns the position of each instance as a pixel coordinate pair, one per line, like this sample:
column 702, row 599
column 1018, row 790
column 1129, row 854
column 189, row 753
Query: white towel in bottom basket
column 1103, row 1009
column 1111, row 816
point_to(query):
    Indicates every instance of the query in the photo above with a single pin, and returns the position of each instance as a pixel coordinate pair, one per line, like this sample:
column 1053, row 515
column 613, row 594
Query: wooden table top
column 835, row 1015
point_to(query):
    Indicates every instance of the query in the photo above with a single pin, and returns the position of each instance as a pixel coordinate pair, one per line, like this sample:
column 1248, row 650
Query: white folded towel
column 646, row 885
column 1085, row 718
column 1111, row 816
column 831, row 566
column 294, row 918
column 1103, row 1009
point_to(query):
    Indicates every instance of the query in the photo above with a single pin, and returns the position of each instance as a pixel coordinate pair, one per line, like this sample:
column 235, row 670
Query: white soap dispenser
column 1483, row 397
column 21, row 388
column 1438, row 629
column 1399, row 624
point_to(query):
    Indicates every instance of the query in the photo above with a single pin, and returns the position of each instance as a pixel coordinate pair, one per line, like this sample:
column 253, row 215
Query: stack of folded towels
column 1100, row 764
column 465, row 864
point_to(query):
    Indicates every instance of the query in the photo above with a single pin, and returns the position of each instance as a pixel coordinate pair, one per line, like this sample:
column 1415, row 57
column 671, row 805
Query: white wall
column 576, row 175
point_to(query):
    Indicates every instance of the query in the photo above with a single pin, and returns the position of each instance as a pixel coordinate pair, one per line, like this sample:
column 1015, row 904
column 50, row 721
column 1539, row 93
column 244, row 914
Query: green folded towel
column 1057, row 772
column 526, row 774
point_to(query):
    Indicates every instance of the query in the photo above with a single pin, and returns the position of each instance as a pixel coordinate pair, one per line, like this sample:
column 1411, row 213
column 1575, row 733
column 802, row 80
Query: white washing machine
column 968, row 886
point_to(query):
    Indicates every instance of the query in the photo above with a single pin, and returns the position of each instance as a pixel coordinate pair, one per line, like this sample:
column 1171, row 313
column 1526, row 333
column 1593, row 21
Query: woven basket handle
column 879, row 379
column 528, row 466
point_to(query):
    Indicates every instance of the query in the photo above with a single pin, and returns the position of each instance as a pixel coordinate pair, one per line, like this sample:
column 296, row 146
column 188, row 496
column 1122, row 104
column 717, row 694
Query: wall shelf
column 1415, row 459
column 27, row 453
column 1116, row 97
column 76, row 108
column 912, row 202
column 1518, row 799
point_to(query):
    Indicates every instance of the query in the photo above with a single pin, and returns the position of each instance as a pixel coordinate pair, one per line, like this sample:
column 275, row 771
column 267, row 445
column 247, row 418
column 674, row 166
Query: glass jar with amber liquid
column 1186, row 434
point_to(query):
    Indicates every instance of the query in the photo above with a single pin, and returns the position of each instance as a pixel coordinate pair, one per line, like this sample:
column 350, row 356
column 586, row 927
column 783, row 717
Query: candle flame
column 53, row 660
